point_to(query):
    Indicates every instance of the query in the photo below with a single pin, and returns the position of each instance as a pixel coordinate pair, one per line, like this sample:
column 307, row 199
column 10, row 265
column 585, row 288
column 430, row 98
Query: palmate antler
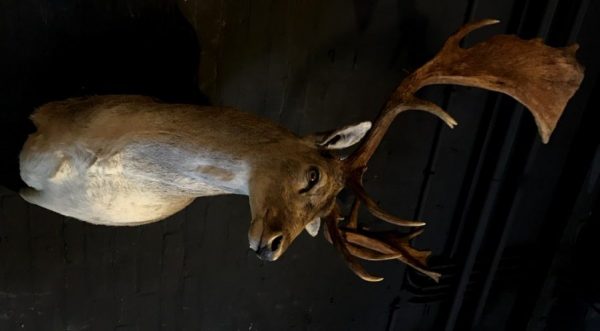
column 540, row 77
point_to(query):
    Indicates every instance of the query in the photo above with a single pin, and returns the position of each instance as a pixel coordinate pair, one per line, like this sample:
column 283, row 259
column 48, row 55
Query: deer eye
column 312, row 178
column 312, row 175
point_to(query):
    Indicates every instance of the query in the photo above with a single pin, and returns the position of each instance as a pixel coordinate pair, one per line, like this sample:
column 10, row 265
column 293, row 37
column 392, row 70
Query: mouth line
column 269, row 258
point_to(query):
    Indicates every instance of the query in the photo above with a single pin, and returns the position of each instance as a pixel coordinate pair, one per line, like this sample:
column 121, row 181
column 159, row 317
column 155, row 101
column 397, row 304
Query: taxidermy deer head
column 130, row 160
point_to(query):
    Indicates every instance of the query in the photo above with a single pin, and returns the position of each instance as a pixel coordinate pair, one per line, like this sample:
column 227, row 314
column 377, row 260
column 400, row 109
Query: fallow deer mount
column 131, row 160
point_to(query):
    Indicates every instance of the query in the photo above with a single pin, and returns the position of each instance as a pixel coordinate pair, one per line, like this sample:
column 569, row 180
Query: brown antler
column 540, row 77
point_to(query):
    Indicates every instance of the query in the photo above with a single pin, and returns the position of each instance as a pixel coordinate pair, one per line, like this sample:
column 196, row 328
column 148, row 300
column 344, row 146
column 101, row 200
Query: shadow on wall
column 55, row 50
column 291, row 66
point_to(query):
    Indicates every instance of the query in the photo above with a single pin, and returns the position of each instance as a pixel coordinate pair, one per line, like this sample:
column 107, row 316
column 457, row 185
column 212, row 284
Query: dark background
column 513, row 224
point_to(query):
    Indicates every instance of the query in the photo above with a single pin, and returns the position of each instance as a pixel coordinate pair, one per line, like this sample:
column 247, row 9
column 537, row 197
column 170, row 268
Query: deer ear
column 313, row 227
column 341, row 138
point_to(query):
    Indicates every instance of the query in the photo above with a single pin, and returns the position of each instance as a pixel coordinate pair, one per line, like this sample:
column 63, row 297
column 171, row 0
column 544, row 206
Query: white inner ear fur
column 346, row 136
column 313, row 227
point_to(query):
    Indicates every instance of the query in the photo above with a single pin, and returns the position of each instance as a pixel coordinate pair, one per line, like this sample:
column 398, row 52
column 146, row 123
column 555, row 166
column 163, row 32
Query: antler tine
column 369, row 254
column 352, row 245
column 360, row 252
column 464, row 30
column 376, row 210
column 332, row 228
column 397, row 104
column 353, row 216
column 404, row 255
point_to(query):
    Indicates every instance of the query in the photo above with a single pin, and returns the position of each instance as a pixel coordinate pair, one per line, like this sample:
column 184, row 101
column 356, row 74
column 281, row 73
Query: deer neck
column 233, row 147
column 227, row 169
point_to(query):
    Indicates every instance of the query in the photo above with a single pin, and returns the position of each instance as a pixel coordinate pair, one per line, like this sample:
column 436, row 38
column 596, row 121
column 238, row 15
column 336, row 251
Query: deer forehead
column 291, row 174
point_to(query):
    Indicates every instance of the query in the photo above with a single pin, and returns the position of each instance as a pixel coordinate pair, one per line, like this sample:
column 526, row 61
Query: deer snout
column 267, row 241
column 270, row 248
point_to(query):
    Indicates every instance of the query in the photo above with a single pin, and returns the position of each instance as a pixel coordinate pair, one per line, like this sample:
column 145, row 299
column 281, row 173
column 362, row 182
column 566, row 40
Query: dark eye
column 312, row 178
column 313, row 175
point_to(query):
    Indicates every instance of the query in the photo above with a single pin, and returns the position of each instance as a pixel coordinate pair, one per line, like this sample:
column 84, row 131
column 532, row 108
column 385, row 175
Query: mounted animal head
column 540, row 77
column 290, row 193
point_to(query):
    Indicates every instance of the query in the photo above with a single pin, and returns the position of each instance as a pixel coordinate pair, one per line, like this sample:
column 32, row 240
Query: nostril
column 276, row 243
